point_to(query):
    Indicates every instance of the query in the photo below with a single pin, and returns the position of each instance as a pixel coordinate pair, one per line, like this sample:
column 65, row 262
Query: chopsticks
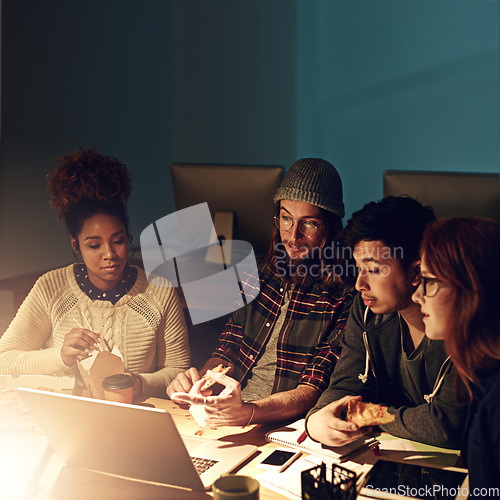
column 98, row 344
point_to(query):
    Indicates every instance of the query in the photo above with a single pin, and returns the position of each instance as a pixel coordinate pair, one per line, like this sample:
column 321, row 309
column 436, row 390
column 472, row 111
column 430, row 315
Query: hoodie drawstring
column 439, row 380
column 364, row 376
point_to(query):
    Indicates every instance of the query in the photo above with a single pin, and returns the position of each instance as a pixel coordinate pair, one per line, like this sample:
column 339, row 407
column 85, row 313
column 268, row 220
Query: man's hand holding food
column 227, row 408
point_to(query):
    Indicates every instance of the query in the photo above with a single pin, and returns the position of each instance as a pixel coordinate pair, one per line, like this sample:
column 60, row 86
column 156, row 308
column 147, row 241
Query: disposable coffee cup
column 235, row 487
column 118, row 388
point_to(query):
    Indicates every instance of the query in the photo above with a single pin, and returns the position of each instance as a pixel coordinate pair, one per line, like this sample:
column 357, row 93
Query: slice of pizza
column 363, row 414
column 210, row 382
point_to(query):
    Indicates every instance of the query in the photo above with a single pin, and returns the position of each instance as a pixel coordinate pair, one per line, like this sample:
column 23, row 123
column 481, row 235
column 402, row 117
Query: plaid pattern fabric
column 309, row 341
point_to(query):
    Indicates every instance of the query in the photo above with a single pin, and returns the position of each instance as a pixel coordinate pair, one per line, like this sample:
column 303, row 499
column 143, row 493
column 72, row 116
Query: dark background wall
column 367, row 85
column 79, row 73
column 398, row 85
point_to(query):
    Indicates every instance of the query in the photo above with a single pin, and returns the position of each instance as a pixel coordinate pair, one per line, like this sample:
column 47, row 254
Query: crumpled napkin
column 199, row 414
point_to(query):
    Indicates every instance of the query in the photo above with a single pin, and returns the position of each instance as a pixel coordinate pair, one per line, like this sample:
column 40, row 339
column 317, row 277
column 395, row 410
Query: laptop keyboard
column 202, row 464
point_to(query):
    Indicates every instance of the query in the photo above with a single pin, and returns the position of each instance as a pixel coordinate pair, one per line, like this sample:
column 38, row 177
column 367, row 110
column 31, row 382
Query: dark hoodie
column 369, row 366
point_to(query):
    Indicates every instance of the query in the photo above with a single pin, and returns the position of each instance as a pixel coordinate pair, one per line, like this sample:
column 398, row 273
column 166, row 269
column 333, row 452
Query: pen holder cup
column 316, row 486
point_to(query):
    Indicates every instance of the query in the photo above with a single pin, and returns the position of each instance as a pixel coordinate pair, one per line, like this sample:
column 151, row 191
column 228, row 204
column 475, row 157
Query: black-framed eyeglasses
column 306, row 227
column 430, row 286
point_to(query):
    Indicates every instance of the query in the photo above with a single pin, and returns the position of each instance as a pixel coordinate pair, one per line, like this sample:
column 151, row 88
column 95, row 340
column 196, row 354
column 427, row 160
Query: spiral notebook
column 289, row 436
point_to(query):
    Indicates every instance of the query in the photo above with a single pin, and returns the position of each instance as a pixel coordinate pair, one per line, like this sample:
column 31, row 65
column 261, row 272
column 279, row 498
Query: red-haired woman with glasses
column 459, row 298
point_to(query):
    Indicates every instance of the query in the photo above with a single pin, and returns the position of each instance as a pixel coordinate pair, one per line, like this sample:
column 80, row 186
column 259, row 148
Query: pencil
column 289, row 462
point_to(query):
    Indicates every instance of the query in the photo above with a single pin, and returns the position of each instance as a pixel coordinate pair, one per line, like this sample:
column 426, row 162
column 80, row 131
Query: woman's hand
column 79, row 342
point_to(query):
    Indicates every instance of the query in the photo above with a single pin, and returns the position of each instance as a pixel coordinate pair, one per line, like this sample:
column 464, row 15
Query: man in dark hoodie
column 386, row 357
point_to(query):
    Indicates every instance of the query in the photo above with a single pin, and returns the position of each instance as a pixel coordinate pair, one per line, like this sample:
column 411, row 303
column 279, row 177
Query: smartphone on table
column 279, row 458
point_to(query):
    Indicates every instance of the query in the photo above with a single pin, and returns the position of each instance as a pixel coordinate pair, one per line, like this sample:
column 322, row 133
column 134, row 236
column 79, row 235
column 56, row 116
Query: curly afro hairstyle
column 86, row 183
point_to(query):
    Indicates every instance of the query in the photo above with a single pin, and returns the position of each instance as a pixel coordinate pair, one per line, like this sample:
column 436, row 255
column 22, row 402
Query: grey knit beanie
column 314, row 181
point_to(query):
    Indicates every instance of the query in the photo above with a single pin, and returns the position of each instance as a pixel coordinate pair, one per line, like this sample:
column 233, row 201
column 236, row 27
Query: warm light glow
column 20, row 456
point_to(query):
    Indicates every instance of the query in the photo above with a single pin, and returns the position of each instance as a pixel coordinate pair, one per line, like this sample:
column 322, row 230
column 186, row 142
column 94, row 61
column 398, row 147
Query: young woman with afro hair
column 101, row 301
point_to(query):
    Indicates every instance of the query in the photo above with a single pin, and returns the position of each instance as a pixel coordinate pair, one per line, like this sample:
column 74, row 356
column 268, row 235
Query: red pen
column 302, row 437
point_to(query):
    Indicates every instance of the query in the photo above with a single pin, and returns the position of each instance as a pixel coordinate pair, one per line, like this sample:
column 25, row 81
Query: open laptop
column 131, row 441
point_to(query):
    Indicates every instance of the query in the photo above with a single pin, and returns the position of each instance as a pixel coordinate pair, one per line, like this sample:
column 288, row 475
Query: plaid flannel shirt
column 309, row 341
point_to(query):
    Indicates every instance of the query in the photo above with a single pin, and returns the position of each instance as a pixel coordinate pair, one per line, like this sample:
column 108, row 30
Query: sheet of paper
column 404, row 450
column 288, row 483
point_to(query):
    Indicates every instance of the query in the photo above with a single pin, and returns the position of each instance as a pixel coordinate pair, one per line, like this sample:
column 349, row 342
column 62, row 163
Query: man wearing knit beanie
column 281, row 348
column 313, row 181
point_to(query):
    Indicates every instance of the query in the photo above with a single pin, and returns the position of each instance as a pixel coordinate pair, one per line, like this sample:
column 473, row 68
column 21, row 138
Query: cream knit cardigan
column 147, row 325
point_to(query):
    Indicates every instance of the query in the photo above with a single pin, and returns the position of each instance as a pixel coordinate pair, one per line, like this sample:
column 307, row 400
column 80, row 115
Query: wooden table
column 57, row 481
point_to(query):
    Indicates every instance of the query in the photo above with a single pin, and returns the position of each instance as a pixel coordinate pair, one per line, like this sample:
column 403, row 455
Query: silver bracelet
column 251, row 416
